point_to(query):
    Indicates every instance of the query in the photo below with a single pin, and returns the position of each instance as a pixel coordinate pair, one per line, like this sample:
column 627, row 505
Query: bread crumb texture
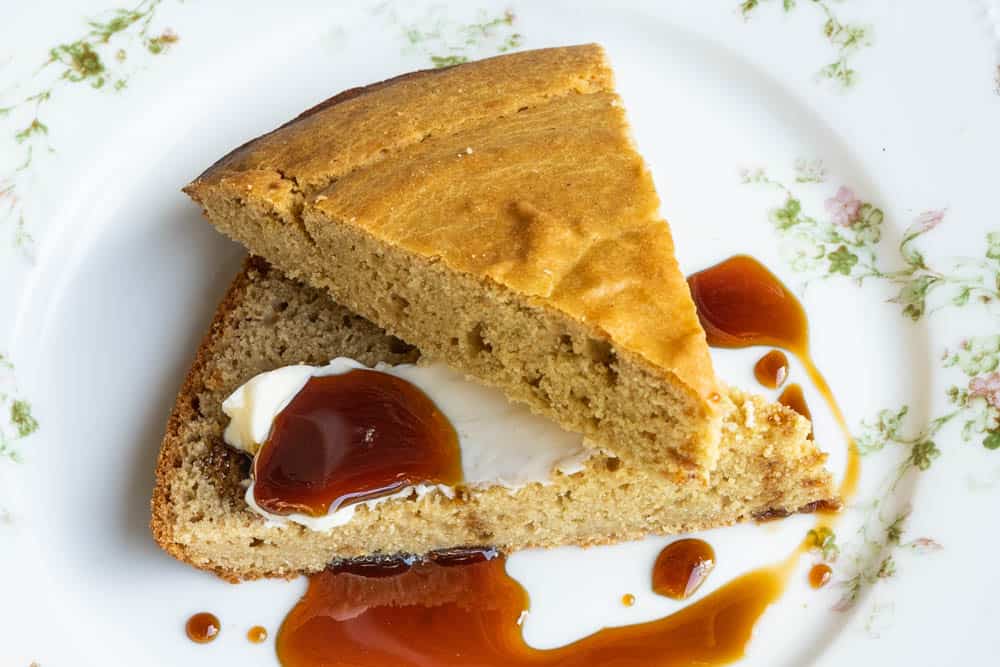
column 268, row 320
column 497, row 216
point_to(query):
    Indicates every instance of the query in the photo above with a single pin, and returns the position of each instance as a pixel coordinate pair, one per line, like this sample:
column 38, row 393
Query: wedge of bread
column 767, row 466
column 496, row 215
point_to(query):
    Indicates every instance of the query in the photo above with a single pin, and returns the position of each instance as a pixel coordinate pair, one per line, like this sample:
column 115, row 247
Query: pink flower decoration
column 843, row 207
column 987, row 386
column 925, row 545
column 8, row 193
column 928, row 220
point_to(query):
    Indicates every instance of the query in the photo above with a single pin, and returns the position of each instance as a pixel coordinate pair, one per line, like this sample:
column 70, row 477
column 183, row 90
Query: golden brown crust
column 233, row 156
column 481, row 168
column 586, row 242
column 199, row 516
column 183, row 413
column 345, row 132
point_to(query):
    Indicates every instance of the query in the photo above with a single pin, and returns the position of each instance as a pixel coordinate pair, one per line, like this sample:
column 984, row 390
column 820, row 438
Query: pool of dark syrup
column 682, row 567
column 461, row 607
column 442, row 614
column 742, row 304
column 352, row 437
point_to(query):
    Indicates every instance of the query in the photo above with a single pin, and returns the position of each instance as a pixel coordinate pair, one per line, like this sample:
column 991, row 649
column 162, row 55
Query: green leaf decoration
column 842, row 261
column 93, row 59
column 824, row 540
column 20, row 416
column 18, row 422
column 448, row 61
column 886, row 429
column 993, row 249
column 747, row 6
column 924, row 453
column 913, row 296
column 788, row 215
column 992, row 441
column 446, row 43
column 845, row 38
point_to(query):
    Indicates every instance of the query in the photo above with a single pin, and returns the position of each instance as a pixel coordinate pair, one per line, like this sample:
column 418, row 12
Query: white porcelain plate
column 850, row 146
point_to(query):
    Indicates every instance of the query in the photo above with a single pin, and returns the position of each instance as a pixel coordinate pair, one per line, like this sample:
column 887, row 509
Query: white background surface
column 103, row 322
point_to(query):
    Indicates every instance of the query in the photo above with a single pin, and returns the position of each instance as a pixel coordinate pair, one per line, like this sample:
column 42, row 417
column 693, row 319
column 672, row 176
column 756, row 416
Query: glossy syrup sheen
column 353, row 437
column 771, row 370
column 432, row 615
column 819, row 575
column 682, row 567
column 202, row 627
column 740, row 303
column 792, row 397
column 257, row 634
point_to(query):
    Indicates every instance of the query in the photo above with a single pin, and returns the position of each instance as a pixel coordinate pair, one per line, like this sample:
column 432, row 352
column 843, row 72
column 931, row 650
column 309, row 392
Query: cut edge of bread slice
column 544, row 268
column 767, row 466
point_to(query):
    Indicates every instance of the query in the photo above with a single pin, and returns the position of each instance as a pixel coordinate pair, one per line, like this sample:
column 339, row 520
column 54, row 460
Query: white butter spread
column 501, row 444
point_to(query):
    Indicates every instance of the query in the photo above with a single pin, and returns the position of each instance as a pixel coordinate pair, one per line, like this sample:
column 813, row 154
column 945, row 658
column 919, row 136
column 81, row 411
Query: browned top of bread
column 518, row 170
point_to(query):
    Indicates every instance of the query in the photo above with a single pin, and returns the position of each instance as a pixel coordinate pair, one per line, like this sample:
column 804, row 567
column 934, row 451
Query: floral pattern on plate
column 99, row 58
column 843, row 237
column 846, row 38
column 16, row 420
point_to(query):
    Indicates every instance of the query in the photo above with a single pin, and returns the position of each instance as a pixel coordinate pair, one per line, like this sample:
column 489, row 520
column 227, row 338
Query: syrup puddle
column 440, row 614
column 742, row 304
column 462, row 608
column 465, row 609
column 352, row 437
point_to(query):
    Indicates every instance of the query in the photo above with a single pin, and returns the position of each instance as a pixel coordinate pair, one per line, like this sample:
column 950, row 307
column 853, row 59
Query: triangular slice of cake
column 496, row 215
column 767, row 466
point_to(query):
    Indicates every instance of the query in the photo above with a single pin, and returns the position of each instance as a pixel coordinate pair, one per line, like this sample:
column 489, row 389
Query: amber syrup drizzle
column 202, row 627
column 771, row 370
column 430, row 614
column 742, row 304
column 353, row 437
column 682, row 567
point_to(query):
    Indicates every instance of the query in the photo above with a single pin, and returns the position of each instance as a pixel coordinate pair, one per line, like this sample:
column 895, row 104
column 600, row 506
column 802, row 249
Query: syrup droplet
column 257, row 634
column 819, row 575
column 771, row 370
column 740, row 303
column 202, row 627
column 352, row 437
column 468, row 613
column 792, row 397
column 682, row 567
column 628, row 599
